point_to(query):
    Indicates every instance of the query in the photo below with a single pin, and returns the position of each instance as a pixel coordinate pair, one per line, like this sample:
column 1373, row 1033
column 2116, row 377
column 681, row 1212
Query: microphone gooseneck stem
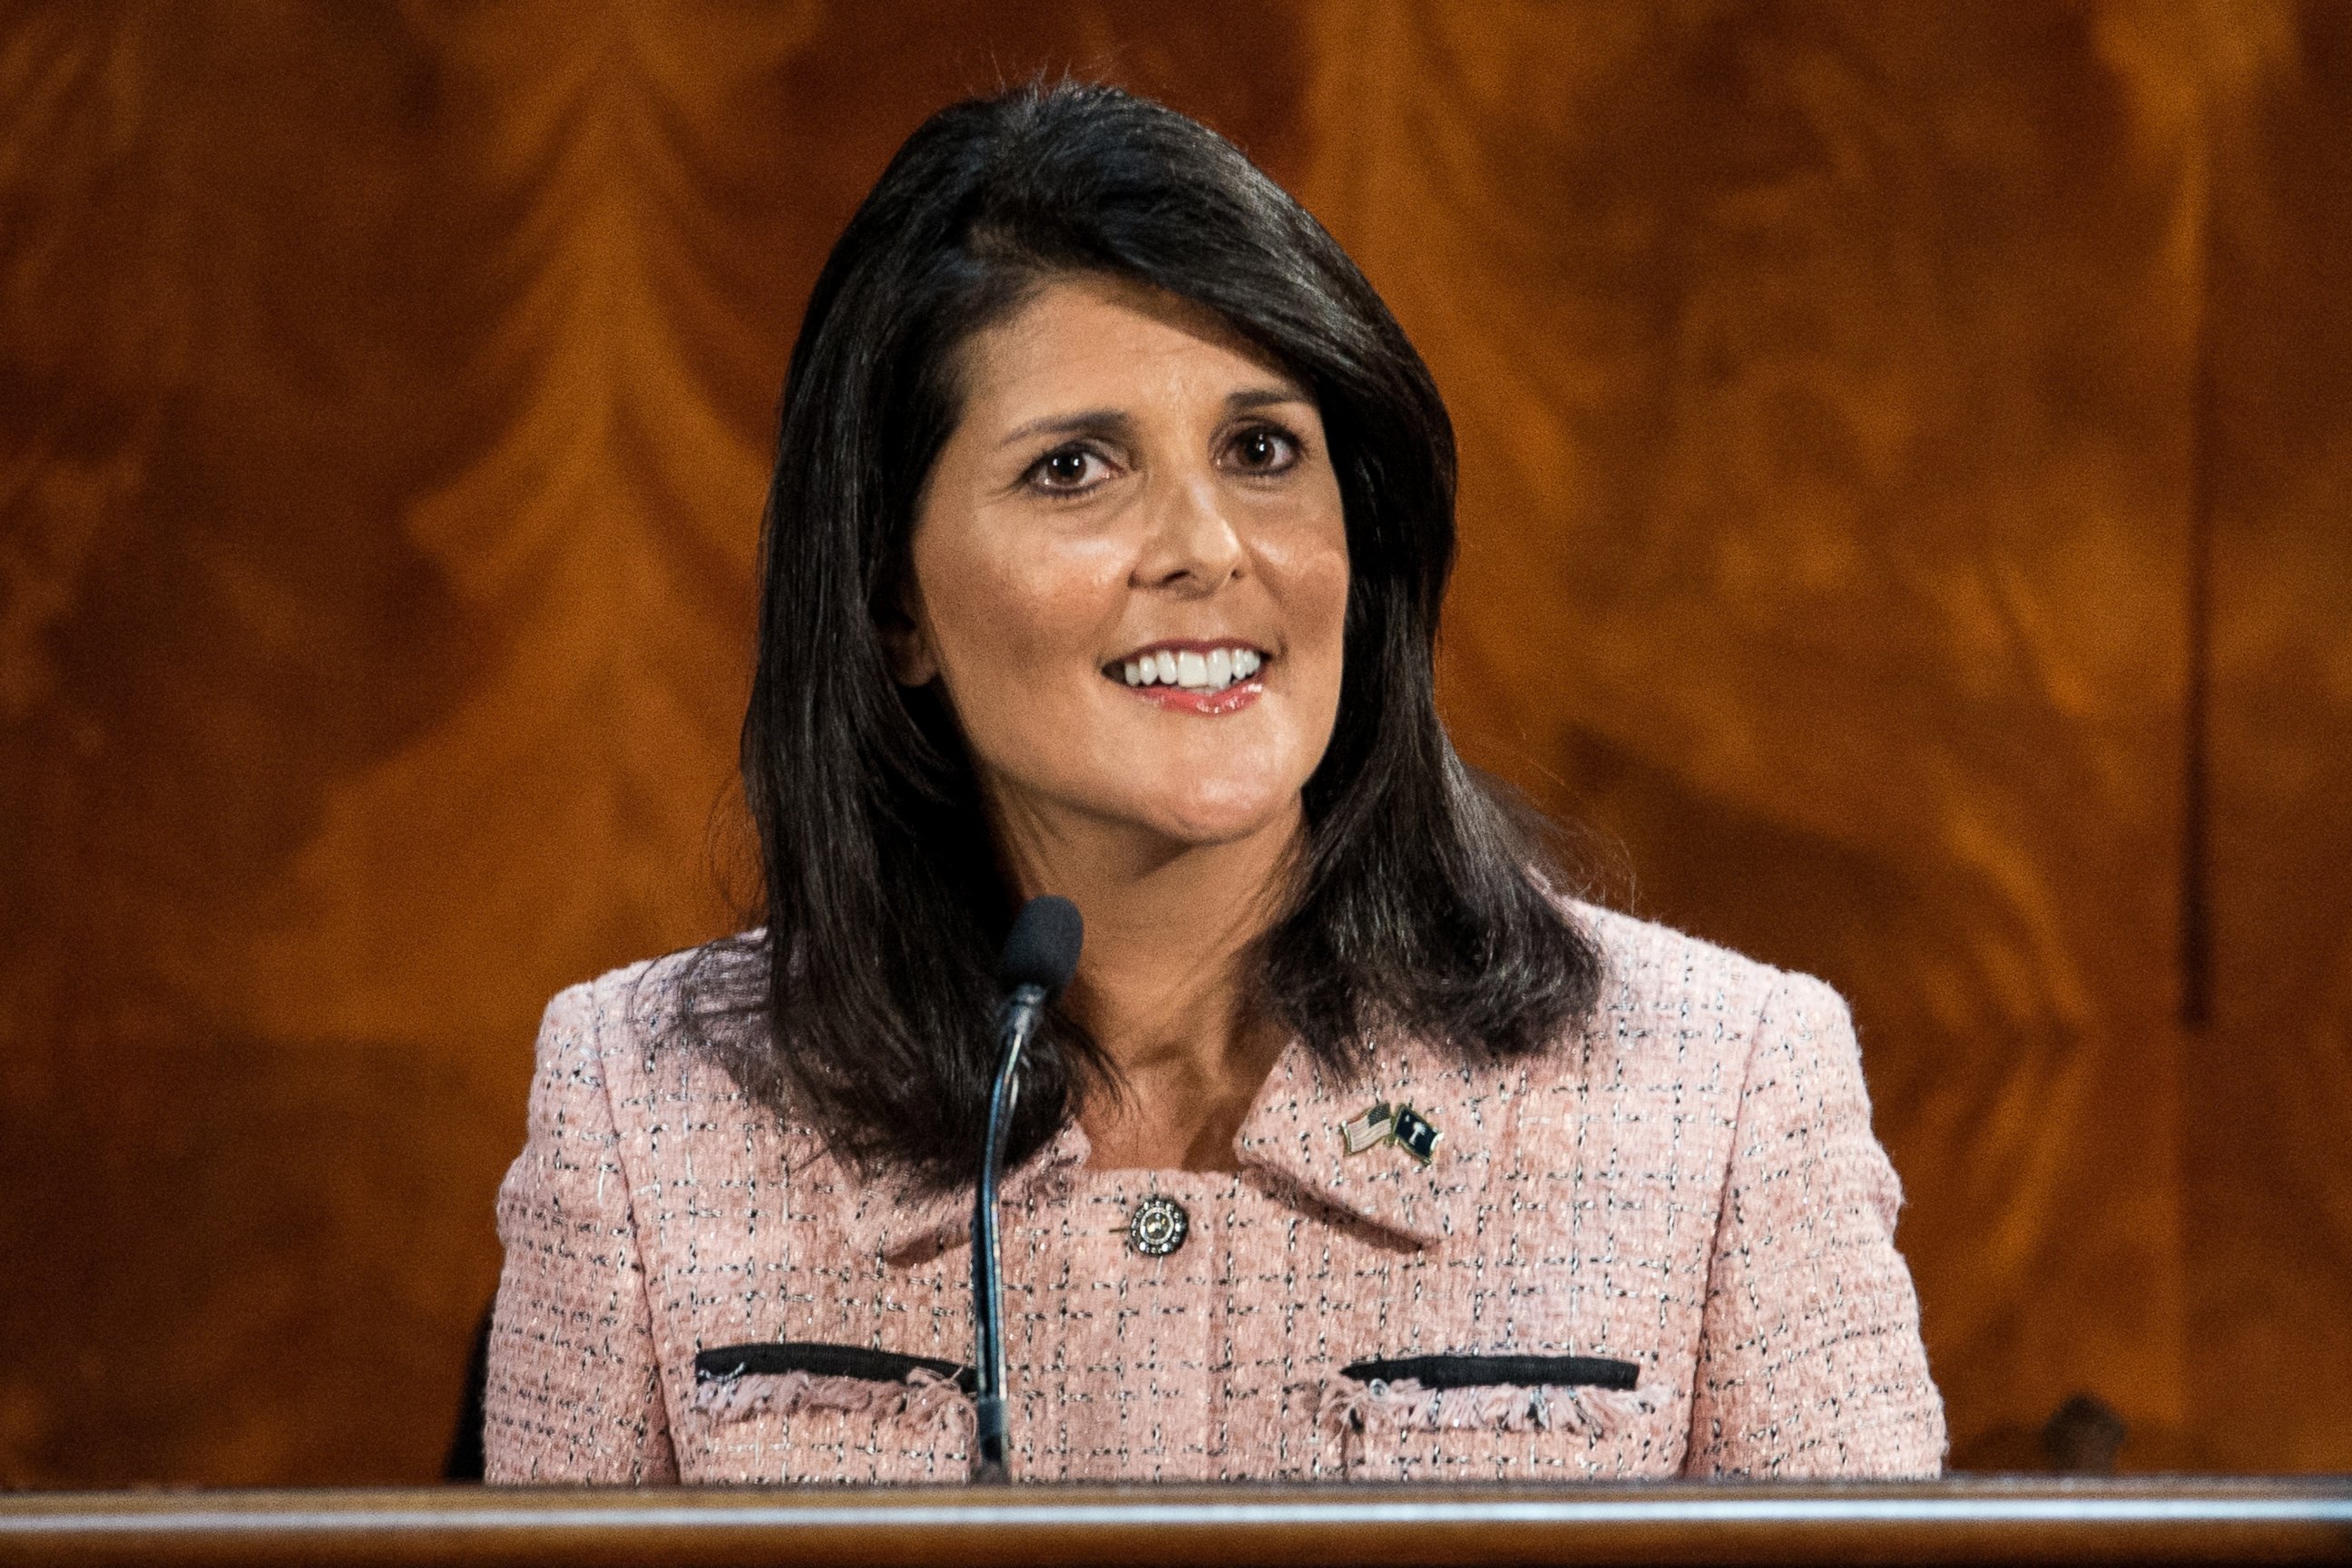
column 1019, row 1020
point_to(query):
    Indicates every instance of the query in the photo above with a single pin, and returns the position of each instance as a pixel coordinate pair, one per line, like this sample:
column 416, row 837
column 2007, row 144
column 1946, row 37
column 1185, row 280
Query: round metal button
column 1159, row 1227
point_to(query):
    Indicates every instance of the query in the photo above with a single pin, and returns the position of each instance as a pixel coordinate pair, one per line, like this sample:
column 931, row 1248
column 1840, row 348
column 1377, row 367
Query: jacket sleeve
column 1809, row 1362
column 573, row 1392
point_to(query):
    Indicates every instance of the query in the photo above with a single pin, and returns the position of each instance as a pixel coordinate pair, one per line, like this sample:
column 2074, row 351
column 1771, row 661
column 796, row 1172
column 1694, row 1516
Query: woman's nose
column 1193, row 545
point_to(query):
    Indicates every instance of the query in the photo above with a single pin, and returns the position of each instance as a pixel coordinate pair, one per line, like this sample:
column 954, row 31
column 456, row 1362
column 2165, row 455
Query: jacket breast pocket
column 799, row 1411
column 1485, row 1417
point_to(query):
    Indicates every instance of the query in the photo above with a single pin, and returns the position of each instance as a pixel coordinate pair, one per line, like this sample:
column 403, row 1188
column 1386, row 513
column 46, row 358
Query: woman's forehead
column 1077, row 340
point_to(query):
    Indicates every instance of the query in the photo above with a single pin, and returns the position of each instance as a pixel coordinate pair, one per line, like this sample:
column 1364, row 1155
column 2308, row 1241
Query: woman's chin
column 1207, row 821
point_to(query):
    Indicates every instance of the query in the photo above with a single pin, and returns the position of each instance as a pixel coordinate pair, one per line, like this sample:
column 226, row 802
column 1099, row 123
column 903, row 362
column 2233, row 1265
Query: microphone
column 1040, row 956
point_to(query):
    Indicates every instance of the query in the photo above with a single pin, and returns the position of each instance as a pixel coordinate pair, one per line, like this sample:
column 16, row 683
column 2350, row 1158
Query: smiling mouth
column 1206, row 669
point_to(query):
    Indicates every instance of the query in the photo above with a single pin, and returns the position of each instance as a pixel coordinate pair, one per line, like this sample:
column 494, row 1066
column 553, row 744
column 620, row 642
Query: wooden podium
column 1987, row 1521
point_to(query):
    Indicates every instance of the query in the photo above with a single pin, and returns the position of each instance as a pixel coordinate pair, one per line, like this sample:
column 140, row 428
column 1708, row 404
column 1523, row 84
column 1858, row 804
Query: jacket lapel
column 885, row 1221
column 1293, row 1131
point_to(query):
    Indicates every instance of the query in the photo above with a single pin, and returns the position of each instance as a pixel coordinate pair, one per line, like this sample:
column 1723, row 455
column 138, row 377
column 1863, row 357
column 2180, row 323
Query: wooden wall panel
column 388, row 391
column 2268, row 1087
column 1825, row 380
column 1849, row 395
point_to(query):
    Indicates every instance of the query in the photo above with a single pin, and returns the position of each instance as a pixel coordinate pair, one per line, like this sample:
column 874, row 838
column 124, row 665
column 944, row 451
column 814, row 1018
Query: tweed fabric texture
column 1690, row 1183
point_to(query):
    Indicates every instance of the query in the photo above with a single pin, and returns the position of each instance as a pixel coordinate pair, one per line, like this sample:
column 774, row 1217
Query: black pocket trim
column 823, row 1361
column 1487, row 1371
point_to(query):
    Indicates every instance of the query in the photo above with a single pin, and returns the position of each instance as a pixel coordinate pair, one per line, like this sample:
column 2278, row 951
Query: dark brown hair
column 864, row 1008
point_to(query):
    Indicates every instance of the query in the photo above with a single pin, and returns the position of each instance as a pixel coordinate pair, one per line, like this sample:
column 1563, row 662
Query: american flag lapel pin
column 1374, row 1127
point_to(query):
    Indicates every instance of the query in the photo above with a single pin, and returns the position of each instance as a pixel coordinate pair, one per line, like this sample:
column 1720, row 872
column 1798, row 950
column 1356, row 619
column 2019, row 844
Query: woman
column 1110, row 521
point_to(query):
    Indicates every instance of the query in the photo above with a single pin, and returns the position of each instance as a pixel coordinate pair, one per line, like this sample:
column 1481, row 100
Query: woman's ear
column 903, row 642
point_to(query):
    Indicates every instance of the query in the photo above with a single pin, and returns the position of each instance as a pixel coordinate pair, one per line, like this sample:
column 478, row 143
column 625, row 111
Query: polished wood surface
column 1904, row 449
column 1986, row 1521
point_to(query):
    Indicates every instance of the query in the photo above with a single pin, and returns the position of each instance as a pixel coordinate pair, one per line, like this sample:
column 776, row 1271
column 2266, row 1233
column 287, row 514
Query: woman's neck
column 1163, row 984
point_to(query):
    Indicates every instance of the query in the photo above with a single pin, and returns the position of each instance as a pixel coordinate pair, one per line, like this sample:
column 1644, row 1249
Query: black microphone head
column 1042, row 949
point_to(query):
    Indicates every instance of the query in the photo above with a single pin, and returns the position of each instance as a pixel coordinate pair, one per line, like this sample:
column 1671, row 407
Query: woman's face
column 1131, row 572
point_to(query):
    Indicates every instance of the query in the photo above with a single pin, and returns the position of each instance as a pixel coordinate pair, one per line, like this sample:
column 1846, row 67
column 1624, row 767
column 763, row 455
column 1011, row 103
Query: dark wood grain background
column 1907, row 453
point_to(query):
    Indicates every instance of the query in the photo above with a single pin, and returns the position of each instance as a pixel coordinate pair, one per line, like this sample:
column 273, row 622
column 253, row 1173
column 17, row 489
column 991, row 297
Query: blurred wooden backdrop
column 1907, row 452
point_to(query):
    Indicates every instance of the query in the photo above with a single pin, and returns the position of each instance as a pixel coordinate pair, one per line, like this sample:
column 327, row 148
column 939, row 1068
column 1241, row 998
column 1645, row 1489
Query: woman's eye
column 1263, row 451
column 1069, row 469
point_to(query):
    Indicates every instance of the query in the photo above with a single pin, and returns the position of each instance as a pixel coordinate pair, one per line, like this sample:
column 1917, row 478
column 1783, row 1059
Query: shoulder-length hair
column 1420, row 901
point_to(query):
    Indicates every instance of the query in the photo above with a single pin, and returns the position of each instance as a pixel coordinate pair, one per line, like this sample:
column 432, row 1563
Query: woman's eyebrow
column 1114, row 423
column 1251, row 397
column 1108, row 422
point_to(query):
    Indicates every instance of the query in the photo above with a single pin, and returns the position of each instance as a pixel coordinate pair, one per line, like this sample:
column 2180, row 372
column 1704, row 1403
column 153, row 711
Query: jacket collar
column 887, row 1222
column 1292, row 1133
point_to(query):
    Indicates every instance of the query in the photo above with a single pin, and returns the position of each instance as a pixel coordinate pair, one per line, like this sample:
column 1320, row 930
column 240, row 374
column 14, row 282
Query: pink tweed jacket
column 1666, row 1249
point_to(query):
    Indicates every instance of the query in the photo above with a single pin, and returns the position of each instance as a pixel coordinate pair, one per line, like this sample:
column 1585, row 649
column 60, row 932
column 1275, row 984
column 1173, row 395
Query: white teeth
column 1212, row 671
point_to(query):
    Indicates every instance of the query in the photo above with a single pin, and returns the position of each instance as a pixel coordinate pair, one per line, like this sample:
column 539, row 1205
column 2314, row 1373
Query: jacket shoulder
column 1652, row 969
column 623, row 1015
